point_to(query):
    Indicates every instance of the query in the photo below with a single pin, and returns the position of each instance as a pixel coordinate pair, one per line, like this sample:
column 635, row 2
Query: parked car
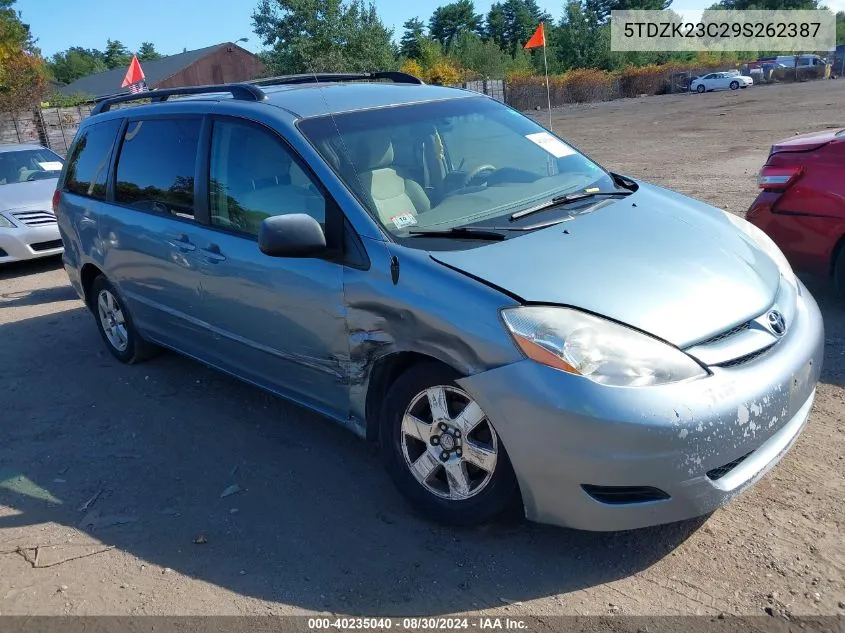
column 801, row 205
column 720, row 81
column 802, row 61
column 28, row 177
column 441, row 274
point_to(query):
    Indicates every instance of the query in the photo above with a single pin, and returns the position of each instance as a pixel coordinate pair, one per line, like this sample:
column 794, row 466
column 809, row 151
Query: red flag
column 134, row 74
column 538, row 39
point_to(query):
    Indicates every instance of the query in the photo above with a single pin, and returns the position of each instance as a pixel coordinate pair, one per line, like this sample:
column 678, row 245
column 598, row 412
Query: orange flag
column 134, row 74
column 538, row 39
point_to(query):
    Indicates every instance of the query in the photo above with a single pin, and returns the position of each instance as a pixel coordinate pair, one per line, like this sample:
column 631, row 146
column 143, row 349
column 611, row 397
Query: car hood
column 37, row 194
column 656, row 260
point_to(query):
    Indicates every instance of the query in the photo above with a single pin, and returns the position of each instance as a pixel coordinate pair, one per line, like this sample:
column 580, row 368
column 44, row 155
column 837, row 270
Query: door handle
column 212, row 254
column 182, row 242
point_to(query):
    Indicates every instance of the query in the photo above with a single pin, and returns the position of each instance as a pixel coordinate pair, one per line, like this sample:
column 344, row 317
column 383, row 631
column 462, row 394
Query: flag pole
column 548, row 91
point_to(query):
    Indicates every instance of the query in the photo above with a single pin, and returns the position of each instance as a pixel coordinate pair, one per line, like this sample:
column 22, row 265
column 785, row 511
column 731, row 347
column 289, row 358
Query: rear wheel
column 116, row 325
column 701, row 88
column 734, row 85
column 441, row 451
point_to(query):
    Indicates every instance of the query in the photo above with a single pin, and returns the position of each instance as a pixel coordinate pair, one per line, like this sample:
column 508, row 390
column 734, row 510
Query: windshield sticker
column 552, row 145
column 403, row 220
column 51, row 165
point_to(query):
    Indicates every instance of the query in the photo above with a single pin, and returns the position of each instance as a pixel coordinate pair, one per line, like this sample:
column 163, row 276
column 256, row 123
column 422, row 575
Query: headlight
column 5, row 223
column 598, row 349
column 765, row 244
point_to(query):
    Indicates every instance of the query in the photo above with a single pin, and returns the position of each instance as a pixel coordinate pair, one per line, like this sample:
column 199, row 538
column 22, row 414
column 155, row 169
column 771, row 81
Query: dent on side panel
column 430, row 310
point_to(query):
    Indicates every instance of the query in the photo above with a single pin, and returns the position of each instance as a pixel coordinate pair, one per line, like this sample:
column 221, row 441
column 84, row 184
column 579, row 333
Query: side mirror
column 294, row 235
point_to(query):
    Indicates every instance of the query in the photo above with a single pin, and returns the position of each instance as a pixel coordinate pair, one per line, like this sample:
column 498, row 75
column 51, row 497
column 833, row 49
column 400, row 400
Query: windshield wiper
column 461, row 232
column 567, row 199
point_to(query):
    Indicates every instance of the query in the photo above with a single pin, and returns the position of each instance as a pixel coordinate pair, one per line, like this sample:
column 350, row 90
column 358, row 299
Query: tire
column 470, row 495
column 734, row 85
column 839, row 272
column 121, row 339
column 701, row 89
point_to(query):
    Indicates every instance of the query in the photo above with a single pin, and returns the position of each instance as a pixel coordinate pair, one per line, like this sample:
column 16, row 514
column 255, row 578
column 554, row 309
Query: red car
column 802, row 202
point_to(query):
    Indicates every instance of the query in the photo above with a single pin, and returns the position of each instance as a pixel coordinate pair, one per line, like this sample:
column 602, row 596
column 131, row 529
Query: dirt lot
column 317, row 525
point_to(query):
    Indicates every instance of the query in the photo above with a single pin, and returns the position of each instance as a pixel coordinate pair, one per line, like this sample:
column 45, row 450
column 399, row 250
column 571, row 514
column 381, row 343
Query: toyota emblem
column 777, row 322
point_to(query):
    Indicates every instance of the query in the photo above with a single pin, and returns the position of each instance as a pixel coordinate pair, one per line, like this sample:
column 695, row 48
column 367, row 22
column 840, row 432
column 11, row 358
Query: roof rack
column 281, row 80
column 242, row 92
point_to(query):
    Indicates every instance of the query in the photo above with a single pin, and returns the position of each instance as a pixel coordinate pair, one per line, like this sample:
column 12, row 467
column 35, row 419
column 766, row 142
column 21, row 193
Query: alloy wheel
column 448, row 444
column 112, row 320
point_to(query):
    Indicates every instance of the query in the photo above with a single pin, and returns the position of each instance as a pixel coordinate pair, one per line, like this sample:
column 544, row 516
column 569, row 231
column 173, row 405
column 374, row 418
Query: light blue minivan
column 513, row 323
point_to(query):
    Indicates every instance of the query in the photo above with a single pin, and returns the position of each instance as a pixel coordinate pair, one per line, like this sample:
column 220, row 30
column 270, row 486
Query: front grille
column 35, row 218
column 727, row 334
column 46, row 246
column 721, row 471
column 621, row 495
column 745, row 359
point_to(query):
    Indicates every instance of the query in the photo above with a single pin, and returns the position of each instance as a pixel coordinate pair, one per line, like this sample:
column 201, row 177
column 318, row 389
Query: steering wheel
column 477, row 172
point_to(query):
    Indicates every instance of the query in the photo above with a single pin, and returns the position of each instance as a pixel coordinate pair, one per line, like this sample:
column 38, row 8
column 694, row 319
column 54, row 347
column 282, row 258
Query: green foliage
column 23, row 74
column 68, row 66
column 58, row 100
column 323, row 35
column 116, row 55
column 484, row 57
column 602, row 8
column 148, row 52
column 409, row 45
column 840, row 28
column 450, row 20
column 511, row 22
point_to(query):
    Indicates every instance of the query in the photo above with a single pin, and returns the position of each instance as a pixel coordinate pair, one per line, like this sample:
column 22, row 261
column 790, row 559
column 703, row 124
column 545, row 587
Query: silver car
column 28, row 177
column 510, row 321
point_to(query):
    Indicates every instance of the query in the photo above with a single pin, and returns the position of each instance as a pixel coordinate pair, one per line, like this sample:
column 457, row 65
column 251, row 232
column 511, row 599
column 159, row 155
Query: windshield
column 29, row 164
column 449, row 163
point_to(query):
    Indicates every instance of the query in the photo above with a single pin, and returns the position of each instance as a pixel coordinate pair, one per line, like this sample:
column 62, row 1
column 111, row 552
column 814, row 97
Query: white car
column 720, row 81
column 28, row 178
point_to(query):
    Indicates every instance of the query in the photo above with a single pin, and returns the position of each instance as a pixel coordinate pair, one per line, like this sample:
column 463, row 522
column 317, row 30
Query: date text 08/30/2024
column 417, row 624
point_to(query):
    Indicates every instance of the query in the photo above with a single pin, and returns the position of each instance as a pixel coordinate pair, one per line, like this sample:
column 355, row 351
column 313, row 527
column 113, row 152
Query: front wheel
column 734, row 85
column 441, row 451
column 700, row 89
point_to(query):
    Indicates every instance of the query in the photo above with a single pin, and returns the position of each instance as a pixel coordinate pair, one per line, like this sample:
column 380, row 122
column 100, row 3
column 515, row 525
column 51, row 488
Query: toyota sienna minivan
column 509, row 320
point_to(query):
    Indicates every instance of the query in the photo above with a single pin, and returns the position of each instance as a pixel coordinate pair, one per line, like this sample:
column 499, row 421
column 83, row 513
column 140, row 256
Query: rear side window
column 155, row 168
column 88, row 164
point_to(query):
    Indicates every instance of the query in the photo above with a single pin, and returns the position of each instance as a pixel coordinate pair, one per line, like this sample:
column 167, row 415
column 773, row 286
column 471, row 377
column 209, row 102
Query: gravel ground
column 316, row 525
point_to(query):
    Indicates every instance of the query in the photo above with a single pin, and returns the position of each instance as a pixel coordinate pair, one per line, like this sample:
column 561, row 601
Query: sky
column 173, row 25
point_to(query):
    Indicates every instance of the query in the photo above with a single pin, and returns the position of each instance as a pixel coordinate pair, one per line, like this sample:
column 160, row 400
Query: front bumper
column 29, row 243
column 563, row 431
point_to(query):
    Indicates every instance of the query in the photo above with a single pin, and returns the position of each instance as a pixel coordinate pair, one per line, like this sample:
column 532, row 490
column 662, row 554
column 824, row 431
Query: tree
column 68, row 66
column 23, row 74
column 148, row 52
column 116, row 54
column 602, row 8
column 409, row 45
column 510, row 23
column 323, row 35
column 581, row 41
column 840, row 28
column 453, row 19
column 484, row 57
